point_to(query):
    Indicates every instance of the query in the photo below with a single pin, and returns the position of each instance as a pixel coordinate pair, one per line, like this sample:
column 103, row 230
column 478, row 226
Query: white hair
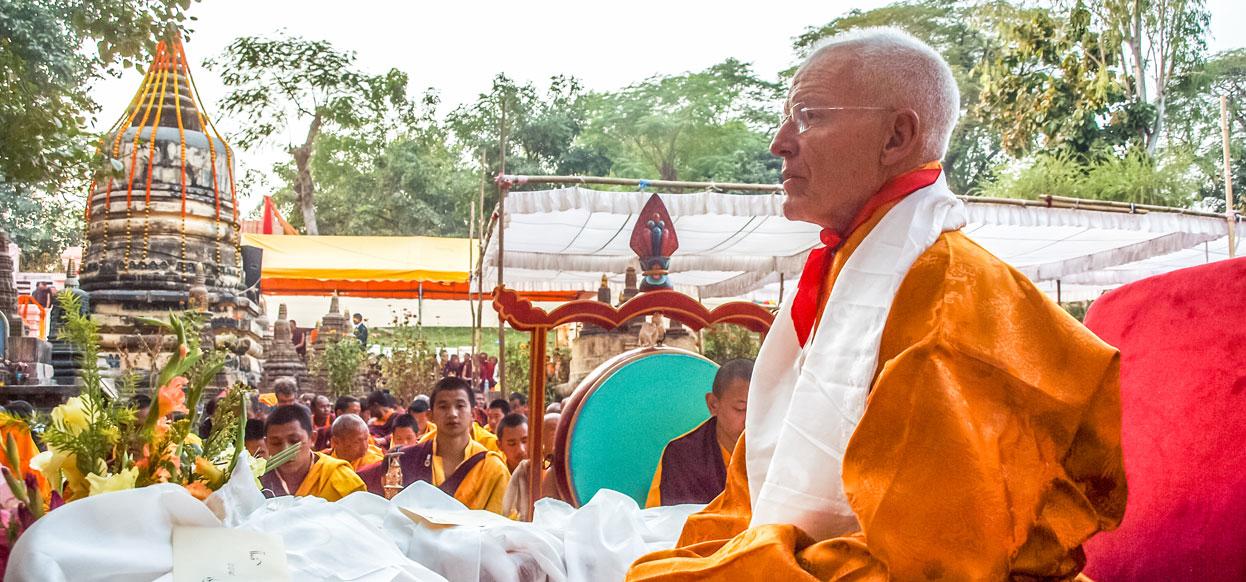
column 901, row 71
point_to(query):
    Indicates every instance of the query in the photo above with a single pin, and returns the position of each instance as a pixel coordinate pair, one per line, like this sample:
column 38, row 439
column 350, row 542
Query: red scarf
column 806, row 305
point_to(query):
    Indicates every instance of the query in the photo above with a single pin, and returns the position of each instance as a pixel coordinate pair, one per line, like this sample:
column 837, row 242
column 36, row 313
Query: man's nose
column 784, row 143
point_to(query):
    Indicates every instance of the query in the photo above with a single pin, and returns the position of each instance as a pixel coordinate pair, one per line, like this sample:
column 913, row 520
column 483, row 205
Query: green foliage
column 50, row 51
column 279, row 82
column 410, row 366
column 726, row 342
column 1169, row 179
column 227, row 417
column 341, row 360
column 707, row 125
column 1051, row 84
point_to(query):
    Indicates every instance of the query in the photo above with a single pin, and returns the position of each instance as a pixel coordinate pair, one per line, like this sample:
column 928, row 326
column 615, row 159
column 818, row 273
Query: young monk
column 308, row 473
column 451, row 460
column 513, row 439
column 693, row 467
column 405, row 431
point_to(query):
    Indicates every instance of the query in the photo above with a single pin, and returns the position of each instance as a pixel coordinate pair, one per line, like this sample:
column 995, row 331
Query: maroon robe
column 693, row 470
column 416, row 462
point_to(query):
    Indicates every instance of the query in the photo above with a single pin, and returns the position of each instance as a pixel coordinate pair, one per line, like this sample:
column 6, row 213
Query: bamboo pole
column 478, row 318
column 1229, row 212
column 502, row 188
column 471, row 266
column 1048, row 201
column 585, row 180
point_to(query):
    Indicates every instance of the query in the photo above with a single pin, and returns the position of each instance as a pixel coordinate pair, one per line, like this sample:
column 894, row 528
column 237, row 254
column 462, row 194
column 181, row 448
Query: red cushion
column 1182, row 338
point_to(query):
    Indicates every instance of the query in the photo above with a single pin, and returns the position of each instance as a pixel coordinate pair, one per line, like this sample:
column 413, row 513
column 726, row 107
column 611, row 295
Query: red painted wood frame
column 521, row 315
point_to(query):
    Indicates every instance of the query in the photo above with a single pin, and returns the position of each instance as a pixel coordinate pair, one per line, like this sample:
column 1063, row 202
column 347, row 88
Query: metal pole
column 1229, row 213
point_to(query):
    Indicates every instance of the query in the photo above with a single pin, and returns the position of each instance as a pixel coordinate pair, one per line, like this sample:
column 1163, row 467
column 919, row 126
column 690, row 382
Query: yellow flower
column 110, row 482
column 193, row 439
column 71, row 416
column 213, row 474
column 50, row 463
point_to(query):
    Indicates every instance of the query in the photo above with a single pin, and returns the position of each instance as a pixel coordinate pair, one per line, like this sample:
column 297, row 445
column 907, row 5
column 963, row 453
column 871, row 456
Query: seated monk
column 693, row 467
column 513, row 439
column 322, row 420
column 480, row 434
column 517, row 499
column 309, row 472
column 404, row 433
column 349, row 437
column 451, row 460
column 919, row 410
column 380, row 407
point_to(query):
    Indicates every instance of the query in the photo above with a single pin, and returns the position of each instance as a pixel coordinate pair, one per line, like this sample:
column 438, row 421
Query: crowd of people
column 479, row 369
column 452, row 438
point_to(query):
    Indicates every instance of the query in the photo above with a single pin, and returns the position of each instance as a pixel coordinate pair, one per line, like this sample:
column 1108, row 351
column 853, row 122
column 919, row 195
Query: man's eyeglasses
column 809, row 117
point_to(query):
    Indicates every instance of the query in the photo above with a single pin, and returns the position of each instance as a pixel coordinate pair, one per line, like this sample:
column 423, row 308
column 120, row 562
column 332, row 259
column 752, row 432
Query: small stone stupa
column 8, row 290
column 333, row 327
column 282, row 359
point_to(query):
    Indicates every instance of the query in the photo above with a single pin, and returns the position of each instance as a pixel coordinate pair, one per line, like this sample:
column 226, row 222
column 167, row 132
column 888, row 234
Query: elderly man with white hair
column 919, row 410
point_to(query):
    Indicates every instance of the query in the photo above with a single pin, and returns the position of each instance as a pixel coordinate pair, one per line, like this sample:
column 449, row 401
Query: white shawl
column 806, row 402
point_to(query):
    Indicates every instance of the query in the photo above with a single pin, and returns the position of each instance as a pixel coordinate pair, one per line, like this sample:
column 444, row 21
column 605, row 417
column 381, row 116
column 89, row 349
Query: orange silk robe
column 989, row 448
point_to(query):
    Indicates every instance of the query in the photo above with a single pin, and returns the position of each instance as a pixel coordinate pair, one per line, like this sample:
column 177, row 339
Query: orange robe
column 329, row 478
column 484, row 486
column 374, row 454
column 989, row 447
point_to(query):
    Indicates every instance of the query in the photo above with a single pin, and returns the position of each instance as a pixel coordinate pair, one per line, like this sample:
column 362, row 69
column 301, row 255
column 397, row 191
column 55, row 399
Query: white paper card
column 221, row 554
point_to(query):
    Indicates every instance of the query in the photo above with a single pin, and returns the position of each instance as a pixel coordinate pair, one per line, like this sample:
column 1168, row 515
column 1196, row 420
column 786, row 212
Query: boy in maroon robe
column 693, row 467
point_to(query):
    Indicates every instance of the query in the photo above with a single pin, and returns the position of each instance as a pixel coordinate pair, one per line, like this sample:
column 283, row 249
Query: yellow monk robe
column 484, row 486
column 328, row 478
column 480, row 434
column 989, row 447
column 374, row 454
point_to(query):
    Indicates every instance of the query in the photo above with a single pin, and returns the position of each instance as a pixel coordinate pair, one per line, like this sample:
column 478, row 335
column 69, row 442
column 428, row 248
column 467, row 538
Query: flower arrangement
column 97, row 444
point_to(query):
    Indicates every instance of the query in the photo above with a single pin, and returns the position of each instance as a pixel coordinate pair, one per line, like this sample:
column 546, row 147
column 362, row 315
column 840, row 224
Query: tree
column 541, row 128
column 50, row 51
column 415, row 185
column 292, row 80
column 45, row 70
column 707, row 125
column 1051, row 85
column 1156, row 42
column 42, row 224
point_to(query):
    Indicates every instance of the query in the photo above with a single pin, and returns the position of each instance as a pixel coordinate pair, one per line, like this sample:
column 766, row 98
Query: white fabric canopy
column 734, row 244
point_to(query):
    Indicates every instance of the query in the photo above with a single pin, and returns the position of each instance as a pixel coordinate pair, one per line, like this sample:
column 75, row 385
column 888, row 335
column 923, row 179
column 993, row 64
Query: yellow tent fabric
column 365, row 258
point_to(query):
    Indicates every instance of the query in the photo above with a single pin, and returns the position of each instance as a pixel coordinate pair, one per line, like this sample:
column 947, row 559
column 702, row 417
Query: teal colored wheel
column 622, row 415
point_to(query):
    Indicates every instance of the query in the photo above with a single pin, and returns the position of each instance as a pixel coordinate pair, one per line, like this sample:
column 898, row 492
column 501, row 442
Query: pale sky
column 458, row 47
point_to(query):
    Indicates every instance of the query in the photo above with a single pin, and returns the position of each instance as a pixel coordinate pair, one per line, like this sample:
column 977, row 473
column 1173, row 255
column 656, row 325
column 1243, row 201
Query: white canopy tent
column 734, row 245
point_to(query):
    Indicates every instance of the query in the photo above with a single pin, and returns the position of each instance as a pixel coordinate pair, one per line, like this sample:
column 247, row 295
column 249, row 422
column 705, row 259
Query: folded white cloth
column 127, row 536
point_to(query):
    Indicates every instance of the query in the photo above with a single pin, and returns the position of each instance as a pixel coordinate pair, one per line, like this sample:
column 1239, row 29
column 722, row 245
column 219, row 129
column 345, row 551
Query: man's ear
column 902, row 138
column 711, row 402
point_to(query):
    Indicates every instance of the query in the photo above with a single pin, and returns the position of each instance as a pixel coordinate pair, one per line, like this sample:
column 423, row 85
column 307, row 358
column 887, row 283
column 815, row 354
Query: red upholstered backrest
column 1182, row 338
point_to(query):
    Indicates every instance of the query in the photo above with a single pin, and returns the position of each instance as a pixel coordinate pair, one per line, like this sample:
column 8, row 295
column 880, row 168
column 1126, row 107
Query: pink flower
column 172, row 397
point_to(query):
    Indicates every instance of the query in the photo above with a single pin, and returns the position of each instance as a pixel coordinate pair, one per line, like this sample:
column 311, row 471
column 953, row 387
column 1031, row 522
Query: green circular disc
column 622, row 427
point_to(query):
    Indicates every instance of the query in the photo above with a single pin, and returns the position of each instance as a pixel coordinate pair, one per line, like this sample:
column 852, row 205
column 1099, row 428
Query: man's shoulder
column 960, row 296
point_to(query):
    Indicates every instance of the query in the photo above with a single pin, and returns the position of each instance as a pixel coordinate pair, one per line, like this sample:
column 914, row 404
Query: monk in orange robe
column 309, row 472
column 349, row 437
column 919, row 410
